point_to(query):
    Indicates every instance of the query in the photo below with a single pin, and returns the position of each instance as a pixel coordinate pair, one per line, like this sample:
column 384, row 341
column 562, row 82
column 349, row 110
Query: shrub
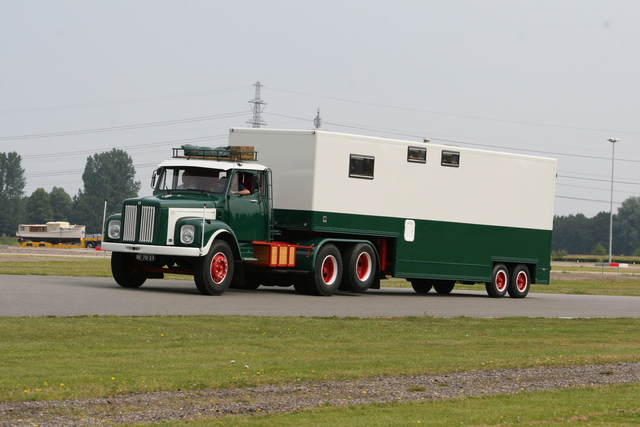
column 599, row 249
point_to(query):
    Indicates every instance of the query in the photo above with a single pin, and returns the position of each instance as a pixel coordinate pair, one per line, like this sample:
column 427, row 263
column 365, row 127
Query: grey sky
column 551, row 78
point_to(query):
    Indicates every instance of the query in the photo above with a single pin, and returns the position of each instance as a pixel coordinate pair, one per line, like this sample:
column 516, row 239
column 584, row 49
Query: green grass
column 622, row 287
column 597, row 407
column 625, row 271
column 8, row 240
column 53, row 358
column 42, row 266
column 62, row 266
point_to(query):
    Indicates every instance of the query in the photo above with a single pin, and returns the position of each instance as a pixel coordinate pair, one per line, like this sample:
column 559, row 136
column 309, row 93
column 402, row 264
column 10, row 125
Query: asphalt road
column 76, row 296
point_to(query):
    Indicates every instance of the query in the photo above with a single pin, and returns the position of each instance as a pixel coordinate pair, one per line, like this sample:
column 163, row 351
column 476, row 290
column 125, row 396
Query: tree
column 12, row 182
column 571, row 233
column 627, row 227
column 61, row 204
column 39, row 207
column 109, row 175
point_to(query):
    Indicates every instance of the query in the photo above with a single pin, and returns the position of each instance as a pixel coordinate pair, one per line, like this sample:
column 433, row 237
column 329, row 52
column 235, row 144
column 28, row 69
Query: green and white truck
column 325, row 211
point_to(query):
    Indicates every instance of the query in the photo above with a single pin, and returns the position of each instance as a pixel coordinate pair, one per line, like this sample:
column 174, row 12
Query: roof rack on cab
column 231, row 153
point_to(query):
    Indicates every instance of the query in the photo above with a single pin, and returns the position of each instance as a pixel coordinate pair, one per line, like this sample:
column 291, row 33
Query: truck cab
column 206, row 210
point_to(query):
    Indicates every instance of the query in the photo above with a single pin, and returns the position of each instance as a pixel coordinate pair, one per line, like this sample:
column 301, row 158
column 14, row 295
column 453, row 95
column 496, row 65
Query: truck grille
column 147, row 221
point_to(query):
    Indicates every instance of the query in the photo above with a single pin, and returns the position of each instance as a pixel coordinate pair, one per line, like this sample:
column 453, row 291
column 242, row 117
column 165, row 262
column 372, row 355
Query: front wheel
column 213, row 272
column 520, row 282
column 499, row 284
column 325, row 279
column 127, row 272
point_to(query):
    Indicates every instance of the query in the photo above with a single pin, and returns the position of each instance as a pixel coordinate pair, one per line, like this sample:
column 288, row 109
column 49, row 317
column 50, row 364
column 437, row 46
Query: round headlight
column 187, row 234
column 114, row 229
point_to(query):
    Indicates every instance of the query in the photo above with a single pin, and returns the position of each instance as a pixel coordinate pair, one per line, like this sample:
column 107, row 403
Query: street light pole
column 613, row 151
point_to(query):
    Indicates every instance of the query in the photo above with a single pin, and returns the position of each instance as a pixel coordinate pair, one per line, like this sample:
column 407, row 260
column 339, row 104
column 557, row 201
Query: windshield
column 197, row 179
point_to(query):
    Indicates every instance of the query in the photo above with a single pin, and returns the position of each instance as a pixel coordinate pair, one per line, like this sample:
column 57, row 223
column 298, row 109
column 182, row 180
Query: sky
column 547, row 78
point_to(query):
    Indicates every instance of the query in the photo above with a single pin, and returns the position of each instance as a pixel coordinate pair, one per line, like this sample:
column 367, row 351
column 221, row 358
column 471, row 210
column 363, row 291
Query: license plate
column 145, row 257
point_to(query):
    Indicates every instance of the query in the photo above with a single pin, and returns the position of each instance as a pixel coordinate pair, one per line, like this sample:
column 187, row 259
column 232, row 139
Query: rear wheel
column 127, row 272
column 213, row 272
column 328, row 272
column 360, row 262
column 444, row 286
column 520, row 282
column 421, row 286
column 499, row 284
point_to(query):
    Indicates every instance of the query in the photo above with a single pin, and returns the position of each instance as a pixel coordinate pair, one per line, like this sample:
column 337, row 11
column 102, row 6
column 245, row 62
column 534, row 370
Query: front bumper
column 133, row 248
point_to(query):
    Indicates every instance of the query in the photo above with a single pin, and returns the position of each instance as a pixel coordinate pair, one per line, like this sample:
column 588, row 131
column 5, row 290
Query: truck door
column 248, row 216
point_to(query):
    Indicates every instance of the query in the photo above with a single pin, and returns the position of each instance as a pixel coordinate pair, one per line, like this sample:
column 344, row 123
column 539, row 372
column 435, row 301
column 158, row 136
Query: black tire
column 444, row 287
column 325, row 280
column 301, row 286
column 360, row 268
column 499, row 284
column 520, row 282
column 421, row 286
column 89, row 245
column 213, row 272
column 127, row 272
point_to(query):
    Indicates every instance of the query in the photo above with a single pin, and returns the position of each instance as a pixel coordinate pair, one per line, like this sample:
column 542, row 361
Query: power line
column 126, row 147
column 586, row 200
column 120, row 128
column 419, row 110
column 123, row 101
column 599, row 180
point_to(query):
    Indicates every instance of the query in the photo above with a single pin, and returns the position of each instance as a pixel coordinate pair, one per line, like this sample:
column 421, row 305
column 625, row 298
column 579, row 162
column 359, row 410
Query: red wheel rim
column 363, row 266
column 522, row 281
column 501, row 281
column 329, row 270
column 219, row 267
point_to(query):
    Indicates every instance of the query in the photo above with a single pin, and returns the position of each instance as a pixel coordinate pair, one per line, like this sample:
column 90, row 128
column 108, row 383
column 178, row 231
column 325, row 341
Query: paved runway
column 76, row 296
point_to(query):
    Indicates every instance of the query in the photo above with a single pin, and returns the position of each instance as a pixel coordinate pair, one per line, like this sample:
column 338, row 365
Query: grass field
column 57, row 358
column 53, row 358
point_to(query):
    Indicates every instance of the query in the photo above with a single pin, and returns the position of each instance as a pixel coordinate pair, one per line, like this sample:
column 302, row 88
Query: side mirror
column 153, row 179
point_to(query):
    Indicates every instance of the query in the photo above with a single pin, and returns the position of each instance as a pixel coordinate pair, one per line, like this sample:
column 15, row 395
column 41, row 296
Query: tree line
column 108, row 175
column 577, row 234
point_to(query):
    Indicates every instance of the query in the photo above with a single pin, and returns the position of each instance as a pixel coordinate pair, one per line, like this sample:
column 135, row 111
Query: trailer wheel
column 127, row 271
column 89, row 245
column 421, row 286
column 360, row 261
column 499, row 284
column 214, row 271
column 325, row 279
column 444, row 287
column 520, row 282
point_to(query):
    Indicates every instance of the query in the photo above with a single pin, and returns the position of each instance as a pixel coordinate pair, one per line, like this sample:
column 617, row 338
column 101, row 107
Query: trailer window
column 361, row 166
column 417, row 155
column 450, row 158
